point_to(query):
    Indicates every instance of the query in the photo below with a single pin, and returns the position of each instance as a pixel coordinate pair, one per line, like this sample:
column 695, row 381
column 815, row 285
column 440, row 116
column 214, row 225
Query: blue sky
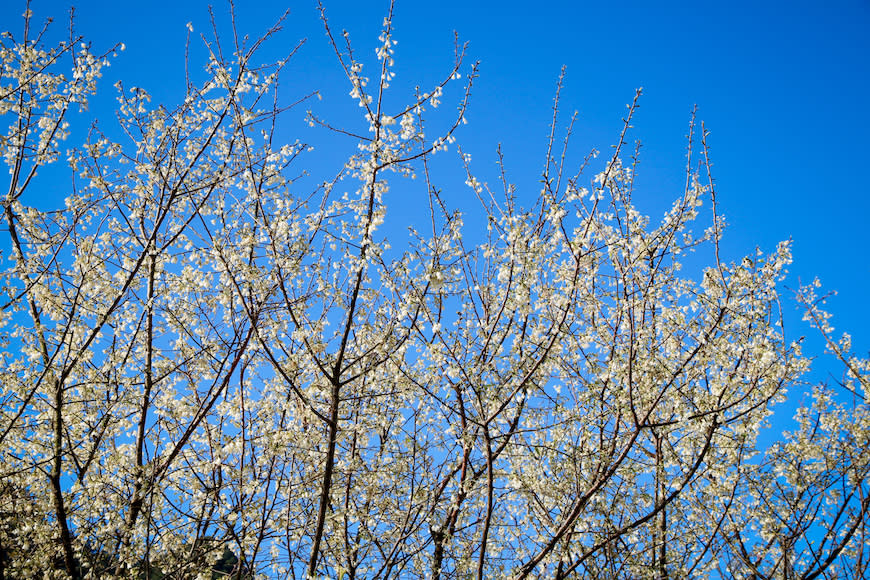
column 782, row 86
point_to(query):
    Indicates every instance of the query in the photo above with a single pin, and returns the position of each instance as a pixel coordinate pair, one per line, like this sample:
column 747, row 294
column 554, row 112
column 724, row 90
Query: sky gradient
column 782, row 87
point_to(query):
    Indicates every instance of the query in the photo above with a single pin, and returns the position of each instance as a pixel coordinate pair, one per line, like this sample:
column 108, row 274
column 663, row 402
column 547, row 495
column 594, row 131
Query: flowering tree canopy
column 213, row 367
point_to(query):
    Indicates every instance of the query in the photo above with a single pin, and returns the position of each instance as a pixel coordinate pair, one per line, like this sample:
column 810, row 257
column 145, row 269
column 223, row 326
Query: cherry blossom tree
column 217, row 366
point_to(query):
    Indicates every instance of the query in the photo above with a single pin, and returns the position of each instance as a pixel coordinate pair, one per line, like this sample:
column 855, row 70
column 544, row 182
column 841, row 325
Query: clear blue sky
column 782, row 86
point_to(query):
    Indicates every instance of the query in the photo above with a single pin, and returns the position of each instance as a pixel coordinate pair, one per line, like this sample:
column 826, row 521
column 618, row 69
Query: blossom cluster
column 212, row 367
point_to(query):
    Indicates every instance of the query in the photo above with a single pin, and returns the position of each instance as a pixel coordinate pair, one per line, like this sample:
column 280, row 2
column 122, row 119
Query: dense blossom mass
column 212, row 368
